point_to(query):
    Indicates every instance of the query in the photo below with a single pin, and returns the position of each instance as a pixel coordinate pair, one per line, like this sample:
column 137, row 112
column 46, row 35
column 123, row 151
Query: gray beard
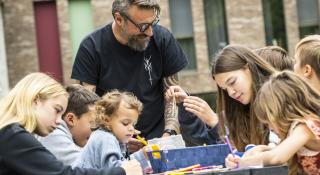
column 135, row 44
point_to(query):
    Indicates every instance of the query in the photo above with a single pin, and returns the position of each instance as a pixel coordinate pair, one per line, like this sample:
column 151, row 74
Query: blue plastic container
column 184, row 157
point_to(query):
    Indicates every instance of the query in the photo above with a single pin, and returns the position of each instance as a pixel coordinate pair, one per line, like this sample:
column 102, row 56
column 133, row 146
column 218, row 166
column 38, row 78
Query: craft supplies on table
column 172, row 159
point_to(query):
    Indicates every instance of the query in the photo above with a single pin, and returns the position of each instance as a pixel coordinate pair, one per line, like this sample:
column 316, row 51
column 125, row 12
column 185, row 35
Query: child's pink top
column 309, row 160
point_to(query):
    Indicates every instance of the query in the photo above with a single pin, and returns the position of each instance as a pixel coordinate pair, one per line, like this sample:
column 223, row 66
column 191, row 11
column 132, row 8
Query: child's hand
column 201, row 109
column 177, row 92
column 134, row 145
column 132, row 167
column 232, row 161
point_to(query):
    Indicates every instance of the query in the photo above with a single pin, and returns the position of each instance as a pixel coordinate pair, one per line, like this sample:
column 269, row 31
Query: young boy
column 66, row 141
column 307, row 57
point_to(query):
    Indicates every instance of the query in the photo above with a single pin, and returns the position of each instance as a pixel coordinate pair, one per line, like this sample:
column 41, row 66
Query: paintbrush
column 142, row 140
column 227, row 132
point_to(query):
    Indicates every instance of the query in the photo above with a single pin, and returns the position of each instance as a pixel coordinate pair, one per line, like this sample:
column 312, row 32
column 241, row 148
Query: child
column 117, row 113
column 35, row 106
column 239, row 74
column 291, row 108
column 280, row 60
column 276, row 56
column 307, row 57
column 66, row 141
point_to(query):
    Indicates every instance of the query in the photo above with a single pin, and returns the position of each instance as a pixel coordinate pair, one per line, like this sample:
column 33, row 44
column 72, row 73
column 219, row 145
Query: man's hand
column 177, row 92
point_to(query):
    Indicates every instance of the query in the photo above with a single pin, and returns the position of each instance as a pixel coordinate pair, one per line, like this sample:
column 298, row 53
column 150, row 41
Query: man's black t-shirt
column 103, row 61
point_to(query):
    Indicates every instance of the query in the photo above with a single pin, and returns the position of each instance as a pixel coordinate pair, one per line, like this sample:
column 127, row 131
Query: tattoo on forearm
column 171, row 117
column 170, row 81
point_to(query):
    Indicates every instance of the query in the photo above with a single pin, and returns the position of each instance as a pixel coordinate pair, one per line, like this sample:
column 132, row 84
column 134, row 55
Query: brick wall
column 244, row 21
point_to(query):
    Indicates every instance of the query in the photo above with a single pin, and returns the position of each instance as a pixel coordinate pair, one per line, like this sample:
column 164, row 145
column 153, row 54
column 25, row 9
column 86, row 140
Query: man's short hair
column 122, row 6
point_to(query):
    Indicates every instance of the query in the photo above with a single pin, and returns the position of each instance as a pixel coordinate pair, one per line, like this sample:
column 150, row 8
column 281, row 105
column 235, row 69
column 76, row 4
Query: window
column 182, row 29
column 274, row 23
column 308, row 15
column 81, row 22
column 4, row 83
column 216, row 26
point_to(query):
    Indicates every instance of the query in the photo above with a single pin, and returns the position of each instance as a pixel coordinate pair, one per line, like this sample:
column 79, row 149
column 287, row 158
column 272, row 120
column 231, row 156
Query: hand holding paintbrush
column 142, row 140
column 135, row 144
column 231, row 160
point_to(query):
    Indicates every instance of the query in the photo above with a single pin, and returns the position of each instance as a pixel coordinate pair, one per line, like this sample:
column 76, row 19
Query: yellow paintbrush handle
column 142, row 140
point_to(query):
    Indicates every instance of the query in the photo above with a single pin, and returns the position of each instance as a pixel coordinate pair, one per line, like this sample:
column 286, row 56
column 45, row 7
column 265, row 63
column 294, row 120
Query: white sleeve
column 62, row 146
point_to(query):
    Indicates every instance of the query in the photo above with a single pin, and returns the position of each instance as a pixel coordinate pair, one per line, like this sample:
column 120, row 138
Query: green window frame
column 274, row 22
column 81, row 22
column 182, row 29
column 308, row 16
column 216, row 26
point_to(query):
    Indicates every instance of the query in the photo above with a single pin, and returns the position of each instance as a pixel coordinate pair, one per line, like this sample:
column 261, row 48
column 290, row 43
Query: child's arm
column 102, row 150
column 203, row 134
column 257, row 150
column 61, row 145
column 285, row 150
column 231, row 161
column 141, row 157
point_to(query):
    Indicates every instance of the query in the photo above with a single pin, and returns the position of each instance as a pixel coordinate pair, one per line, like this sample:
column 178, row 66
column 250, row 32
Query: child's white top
column 61, row 144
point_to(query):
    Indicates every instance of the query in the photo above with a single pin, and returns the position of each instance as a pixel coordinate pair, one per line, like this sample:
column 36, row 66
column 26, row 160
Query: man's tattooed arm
column 170, row 116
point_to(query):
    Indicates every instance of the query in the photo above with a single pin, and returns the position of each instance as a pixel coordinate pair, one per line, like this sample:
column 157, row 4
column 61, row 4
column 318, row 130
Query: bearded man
column 135, row 54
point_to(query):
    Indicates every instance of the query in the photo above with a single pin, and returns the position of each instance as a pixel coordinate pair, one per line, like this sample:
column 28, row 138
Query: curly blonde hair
column 110, row 103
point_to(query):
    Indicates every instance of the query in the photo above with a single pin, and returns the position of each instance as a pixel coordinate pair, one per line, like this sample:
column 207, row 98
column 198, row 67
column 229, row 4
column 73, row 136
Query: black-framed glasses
column 143, row 26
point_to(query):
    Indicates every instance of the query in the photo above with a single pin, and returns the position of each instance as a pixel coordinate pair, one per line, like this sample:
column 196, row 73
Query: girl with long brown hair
column 239, row 74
